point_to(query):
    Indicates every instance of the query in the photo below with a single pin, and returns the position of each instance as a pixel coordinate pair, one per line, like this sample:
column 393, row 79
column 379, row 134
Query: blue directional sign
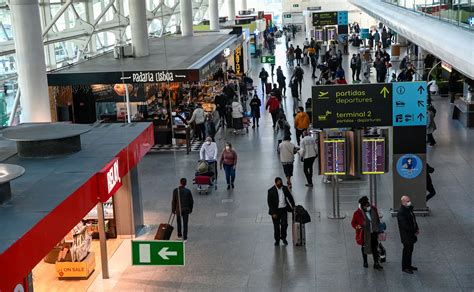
column 342, row 17
column 409, row 104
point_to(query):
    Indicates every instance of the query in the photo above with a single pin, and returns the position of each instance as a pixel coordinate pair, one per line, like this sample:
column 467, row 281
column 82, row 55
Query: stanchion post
column 336, row 212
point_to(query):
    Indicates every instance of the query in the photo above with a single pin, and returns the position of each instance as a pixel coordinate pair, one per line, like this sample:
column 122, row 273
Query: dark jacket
column 185, row 200
column 255, row 105
column 407, row 225
column 273, row 200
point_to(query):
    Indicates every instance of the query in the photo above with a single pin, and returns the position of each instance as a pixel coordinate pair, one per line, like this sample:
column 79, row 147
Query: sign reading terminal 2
column 364, row 105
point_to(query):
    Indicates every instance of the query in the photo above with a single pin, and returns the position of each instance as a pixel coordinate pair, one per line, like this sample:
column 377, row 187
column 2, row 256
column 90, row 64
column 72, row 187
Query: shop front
column 160, row 92
column 71, row 216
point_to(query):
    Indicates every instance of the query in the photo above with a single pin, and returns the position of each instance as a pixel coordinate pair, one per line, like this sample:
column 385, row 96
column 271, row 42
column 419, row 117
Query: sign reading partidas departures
column 347, row 106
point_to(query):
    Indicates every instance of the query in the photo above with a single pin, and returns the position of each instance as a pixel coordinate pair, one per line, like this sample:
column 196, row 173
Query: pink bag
column 382, row 236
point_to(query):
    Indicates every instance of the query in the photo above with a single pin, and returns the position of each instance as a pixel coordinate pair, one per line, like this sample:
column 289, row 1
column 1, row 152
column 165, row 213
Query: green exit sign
column 267, row 59
column 158, row 253
column 296, row 5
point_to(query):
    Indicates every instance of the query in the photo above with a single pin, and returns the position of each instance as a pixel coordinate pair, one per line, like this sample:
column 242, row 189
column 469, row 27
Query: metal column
column 103, row 241
column 31, row 64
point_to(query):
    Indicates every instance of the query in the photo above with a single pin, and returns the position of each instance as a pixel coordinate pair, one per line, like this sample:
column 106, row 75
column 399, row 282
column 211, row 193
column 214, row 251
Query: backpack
column 301, row 215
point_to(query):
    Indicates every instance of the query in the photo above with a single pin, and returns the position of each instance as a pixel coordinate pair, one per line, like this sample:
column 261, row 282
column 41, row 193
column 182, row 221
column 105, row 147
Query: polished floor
column 230, row 245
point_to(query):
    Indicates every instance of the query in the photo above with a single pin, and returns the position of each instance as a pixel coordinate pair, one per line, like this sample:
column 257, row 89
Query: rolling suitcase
column 268, row 88
column 299, row 234
column 165, row 229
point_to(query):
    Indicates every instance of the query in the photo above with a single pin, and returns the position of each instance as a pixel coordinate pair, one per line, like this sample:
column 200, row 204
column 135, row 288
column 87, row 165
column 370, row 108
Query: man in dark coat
column 280, row 202
column 182, row 206
column 408, row 233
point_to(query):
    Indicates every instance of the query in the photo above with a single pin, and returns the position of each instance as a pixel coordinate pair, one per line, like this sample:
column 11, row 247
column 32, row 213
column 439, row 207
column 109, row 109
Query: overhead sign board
column 158, row 253
column 267, row 59
column 409, row 104
column 325, row 18
column 359, row 105
column 335, row 150
column 313, row 8
column 373, row 155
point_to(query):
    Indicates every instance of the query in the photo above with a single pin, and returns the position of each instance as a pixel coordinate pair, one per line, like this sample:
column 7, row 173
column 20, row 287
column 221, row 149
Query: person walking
column 280, row 202
column 182, row 205
column 237, row 116
column 282, row 130
column 199, row 118
column 298, row 55
column 408, row 233
column 209, row 153
column 308, row 153
column 287, row 157
column 210, row 127
column 430, row 125
column 295, row 94
column 301, row 123
column 358, row 67
column 354, row 67
column 221, row 101
column 273, row 106
column 255, row 105
column 263, row 78
column 281, row 81
column 365, row 221
column 298, row 76
column 228, row 161
column 429, row 183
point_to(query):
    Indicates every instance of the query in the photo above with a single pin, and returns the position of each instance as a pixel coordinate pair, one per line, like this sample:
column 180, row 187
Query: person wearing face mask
column 408, row 233
column 209, row 153
column 366, row 222
column 280, row 202
column 229, row 162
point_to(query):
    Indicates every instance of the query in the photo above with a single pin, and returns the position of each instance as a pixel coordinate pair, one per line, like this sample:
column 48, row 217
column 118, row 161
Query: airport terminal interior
column 326, row 145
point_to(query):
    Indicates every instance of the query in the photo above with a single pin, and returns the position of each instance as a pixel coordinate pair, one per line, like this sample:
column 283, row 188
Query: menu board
column 373, row 155
column 335, row 156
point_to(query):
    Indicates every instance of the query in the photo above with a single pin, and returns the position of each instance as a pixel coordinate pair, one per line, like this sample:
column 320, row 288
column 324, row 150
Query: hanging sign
column 238, row 60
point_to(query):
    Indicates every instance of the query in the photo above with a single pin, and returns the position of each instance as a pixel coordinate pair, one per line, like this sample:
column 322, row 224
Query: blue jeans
column 229, row 173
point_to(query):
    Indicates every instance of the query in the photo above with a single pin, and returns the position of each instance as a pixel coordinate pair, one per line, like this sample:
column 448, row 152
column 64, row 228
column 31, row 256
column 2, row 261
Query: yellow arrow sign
column 384, row 92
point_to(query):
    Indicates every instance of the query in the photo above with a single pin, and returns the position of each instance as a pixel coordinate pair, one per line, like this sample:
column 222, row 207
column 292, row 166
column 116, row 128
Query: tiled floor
column 236, row 253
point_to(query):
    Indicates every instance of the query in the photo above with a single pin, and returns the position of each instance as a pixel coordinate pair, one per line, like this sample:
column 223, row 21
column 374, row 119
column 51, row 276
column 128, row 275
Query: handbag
column 382, row 236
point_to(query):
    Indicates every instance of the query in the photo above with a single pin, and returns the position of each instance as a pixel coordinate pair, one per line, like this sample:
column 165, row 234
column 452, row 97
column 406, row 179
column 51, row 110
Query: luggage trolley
column 206, row 176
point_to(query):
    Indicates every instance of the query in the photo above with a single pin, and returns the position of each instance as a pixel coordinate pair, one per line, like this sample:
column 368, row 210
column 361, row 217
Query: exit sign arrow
column 267, row 59
column 164, row 253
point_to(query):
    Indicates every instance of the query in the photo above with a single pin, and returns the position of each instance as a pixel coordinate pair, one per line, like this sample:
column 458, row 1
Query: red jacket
column 358, row 219
column 273, row 104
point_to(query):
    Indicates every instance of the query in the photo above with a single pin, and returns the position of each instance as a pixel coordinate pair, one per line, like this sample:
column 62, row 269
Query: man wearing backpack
column 298, row 76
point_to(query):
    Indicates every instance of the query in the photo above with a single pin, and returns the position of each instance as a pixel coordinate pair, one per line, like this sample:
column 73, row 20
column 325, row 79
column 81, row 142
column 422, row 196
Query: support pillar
column 243, row 4
column 31, row 64
column 420, row 64
column 139, row 28
column 214, row 15
column 309, row 25
column 186, row 17
column 231, row 9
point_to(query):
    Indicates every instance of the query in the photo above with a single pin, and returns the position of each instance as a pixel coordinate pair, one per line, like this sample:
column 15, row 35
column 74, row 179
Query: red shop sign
column 109, row 180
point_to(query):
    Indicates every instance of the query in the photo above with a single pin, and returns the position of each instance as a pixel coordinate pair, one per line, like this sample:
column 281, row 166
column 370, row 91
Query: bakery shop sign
column 158, row 76
column 109, row 180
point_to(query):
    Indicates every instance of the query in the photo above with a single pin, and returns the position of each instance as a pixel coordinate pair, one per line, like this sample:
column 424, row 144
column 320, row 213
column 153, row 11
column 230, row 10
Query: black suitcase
column 165, row 230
